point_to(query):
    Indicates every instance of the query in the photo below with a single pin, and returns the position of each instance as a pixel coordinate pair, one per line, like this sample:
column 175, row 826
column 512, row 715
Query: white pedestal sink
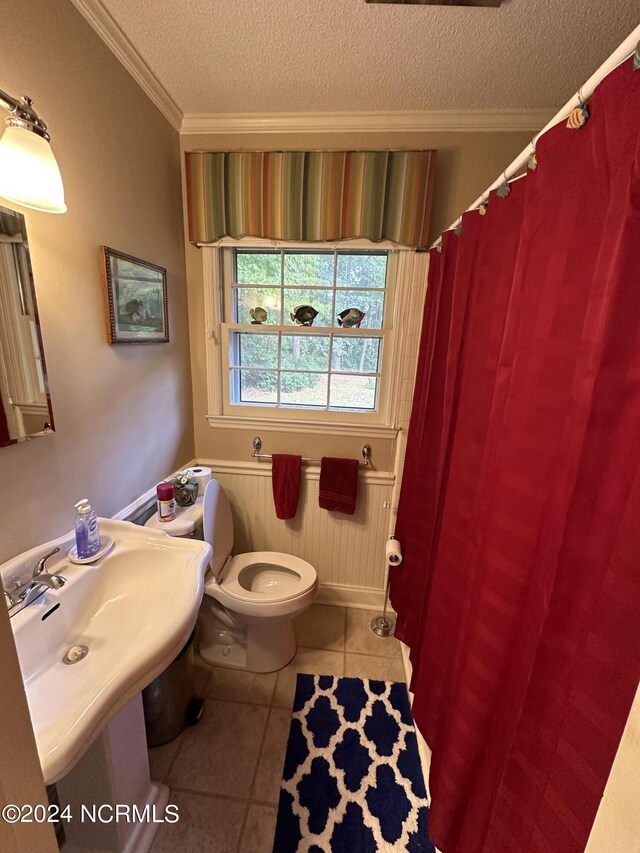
column 133, row 609
column 114, row 772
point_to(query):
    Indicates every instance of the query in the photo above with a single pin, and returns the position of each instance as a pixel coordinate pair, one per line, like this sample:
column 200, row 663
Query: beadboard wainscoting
column 347, row 551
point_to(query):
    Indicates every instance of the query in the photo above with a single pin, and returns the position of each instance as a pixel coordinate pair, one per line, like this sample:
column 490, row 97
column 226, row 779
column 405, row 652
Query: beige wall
column 466, row 164
column 123, row 414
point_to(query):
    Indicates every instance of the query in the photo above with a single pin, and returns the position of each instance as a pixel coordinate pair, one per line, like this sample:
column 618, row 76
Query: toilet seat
column 282, row 585
column 267, row 576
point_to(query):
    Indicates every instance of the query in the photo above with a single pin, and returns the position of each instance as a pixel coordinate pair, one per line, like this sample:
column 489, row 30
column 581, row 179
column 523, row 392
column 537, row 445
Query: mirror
column 25, row 410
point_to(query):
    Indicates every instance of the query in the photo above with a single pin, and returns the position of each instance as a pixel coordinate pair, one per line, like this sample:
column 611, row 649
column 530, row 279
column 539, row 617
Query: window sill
column 361, row 430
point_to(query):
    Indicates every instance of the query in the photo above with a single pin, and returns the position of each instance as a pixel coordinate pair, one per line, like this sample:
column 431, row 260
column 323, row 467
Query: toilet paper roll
column 202, row 475
column 393, row 552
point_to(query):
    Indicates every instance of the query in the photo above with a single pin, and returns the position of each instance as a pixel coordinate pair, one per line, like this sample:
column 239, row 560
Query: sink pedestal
column 114, row 771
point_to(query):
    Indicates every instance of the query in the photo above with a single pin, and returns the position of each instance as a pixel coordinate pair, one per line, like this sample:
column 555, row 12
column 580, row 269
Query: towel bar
column 257, row 447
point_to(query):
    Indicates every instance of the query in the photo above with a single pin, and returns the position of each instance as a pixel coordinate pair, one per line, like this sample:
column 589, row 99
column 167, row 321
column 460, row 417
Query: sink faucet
column 40, row 573
column 27, row 590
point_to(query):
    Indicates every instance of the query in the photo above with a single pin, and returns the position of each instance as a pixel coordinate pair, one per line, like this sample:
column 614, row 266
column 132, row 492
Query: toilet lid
column 267, row 576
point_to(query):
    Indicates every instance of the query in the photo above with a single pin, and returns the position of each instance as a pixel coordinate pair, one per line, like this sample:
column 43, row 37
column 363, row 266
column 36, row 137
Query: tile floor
column 225, row 773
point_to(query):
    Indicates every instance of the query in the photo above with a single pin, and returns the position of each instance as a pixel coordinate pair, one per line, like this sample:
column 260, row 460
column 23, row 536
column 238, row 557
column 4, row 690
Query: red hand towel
column 285, row 479
column 338, row 484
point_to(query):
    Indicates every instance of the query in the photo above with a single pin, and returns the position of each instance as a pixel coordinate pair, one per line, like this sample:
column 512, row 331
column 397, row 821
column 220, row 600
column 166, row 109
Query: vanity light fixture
column 29, row 173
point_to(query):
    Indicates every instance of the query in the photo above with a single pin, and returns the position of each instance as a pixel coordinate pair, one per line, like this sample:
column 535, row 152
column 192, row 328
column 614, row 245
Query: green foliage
column 306, row 278
column 258, row 380
column 258, row 267
column 361, row 270
column 306, row 270
column 304, row 274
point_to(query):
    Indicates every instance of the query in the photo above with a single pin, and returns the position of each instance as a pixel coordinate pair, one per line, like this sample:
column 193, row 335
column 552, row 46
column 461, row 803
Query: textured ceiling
column 220, row 56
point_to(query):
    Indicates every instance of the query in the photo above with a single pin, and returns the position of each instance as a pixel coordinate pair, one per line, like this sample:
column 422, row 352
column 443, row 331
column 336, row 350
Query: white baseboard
column 359, row 597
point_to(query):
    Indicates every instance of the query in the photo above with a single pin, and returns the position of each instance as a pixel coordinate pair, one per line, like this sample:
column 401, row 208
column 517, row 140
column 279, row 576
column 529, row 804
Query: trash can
column 170, row 703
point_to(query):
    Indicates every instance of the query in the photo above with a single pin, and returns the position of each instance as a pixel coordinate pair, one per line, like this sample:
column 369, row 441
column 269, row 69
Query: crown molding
column 111, row 34
column 339, row 122
column 369, row 122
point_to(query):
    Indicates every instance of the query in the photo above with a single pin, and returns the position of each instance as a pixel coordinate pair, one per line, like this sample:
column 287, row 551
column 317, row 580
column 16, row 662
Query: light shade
column 29, row 173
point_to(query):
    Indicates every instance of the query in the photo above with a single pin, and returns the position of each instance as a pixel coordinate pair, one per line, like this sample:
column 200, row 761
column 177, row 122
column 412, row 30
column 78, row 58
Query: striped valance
column 310, row 195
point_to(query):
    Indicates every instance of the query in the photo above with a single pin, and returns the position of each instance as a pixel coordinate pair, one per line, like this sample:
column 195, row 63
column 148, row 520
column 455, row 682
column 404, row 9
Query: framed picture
column 136, row 296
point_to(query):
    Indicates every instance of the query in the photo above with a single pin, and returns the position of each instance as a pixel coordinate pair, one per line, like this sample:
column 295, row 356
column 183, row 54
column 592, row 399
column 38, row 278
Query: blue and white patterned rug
column 352, row 779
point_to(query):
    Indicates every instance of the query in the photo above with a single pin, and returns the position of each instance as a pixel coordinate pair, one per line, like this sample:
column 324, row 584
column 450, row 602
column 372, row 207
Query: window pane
column 305, row 352
column 249, row 349
column 356, row 354
column 258, row 267
column 371, row 302
column 254, row 386
column 247, row 298
column 303, row 389
column 361, row 271
column 308, row 270
column 320, row 300
column 353, row 392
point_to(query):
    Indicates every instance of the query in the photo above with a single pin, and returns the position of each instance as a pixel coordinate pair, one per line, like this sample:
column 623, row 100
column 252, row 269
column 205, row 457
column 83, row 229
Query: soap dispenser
column 87, row 533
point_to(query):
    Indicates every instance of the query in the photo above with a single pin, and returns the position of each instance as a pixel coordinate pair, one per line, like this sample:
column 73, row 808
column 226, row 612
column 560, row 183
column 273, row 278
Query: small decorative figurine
column 350, row 318
column 258, row 316
column 185, row 487
column 304, row 315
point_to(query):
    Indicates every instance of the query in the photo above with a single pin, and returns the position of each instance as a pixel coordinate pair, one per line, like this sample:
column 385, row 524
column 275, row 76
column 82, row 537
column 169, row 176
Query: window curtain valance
column 310, row 195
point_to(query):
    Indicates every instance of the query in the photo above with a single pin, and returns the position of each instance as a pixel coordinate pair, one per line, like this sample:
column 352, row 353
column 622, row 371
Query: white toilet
column 250, row 600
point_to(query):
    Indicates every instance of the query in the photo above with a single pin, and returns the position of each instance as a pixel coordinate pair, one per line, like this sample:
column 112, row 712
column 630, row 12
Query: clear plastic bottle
column 87, row 533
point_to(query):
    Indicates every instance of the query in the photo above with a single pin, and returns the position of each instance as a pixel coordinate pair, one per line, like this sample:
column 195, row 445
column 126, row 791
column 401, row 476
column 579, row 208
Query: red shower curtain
column 519, row 594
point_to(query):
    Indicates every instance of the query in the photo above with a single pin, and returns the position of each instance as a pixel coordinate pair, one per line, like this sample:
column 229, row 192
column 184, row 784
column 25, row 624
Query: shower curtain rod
column 620, row 55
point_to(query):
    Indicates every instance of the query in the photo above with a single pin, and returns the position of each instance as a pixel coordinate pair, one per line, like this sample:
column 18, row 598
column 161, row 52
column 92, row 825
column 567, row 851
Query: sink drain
column 75, row 654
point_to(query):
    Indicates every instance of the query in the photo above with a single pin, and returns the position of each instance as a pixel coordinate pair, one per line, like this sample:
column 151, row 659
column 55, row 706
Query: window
column 321, row 346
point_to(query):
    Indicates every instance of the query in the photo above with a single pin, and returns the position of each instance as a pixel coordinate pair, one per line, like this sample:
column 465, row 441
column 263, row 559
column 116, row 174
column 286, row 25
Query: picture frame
column 136, row 299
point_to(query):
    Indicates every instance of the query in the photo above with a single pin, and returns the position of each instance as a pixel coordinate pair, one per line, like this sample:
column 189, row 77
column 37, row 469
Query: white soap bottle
column 87, row 533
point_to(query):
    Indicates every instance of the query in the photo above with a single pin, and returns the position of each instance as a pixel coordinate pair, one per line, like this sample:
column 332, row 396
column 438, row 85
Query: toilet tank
column 217, row 525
